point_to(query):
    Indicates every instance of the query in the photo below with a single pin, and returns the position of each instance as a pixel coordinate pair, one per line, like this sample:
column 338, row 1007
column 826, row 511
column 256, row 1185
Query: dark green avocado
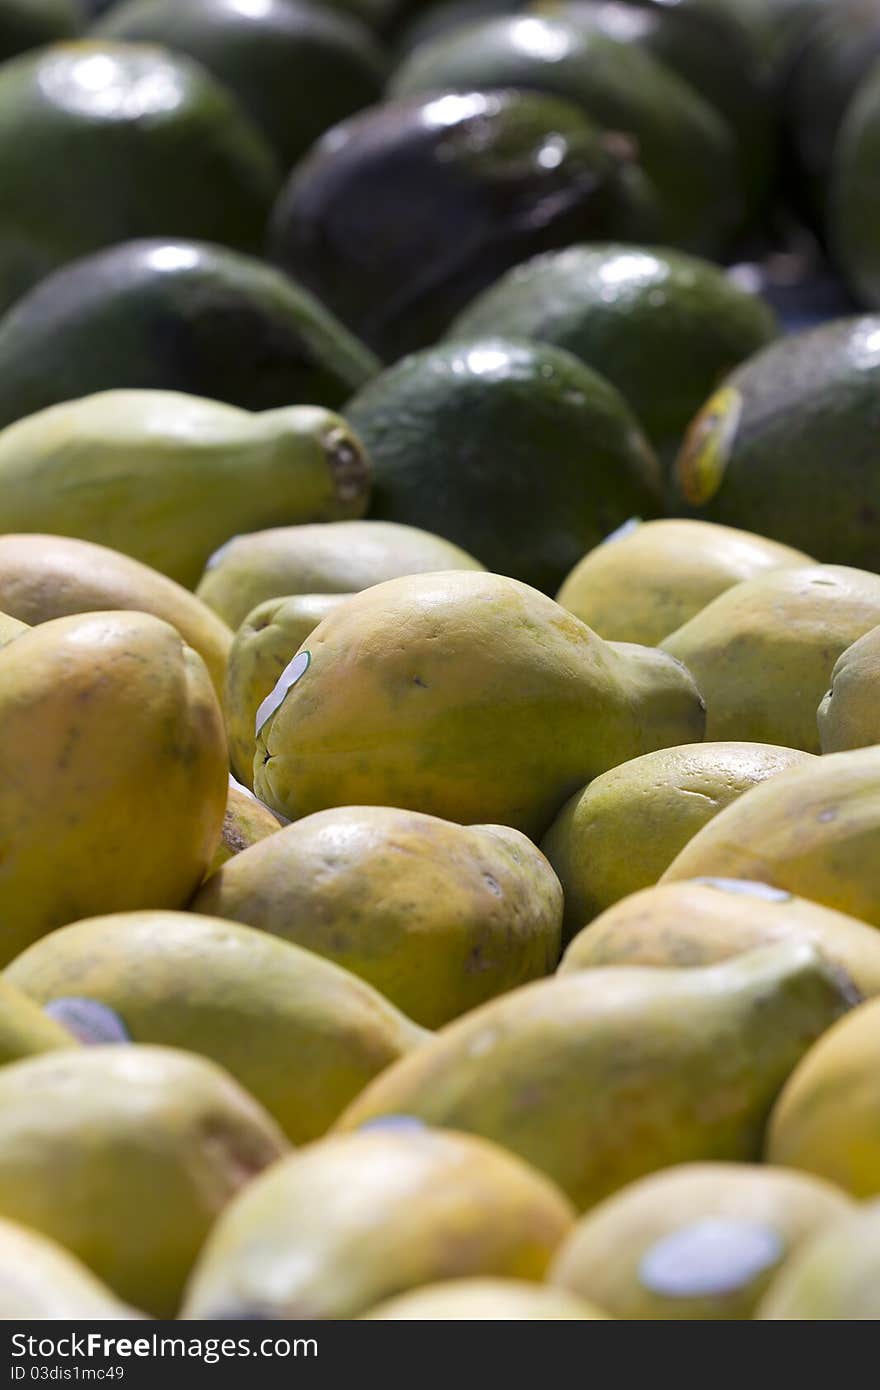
column 102, row 142
column 687, row 149
column 402, row 214
column 661, row 326
column 854, row 194
column 515, row 451
column 176, row 316
column 296, row 66
column 27, row 24
column 788, row 446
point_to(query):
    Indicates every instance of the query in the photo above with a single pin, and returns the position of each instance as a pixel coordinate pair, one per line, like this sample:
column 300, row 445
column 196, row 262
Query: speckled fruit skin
column 607, row 1258
column 361, row 1217
column 130, row 140
column 515, row 450
column 126, row 1155
column 652, row 577
column 467, row 696
column 246, row 822
column 599, row 1077
column 692, row 923
column 438, row 917
column 661, row 326
column 169, row 314
column 655, row 804
column 848, row 716
column 116, row 771
column 814, row 831
column 763, row 652
column 299, row 1034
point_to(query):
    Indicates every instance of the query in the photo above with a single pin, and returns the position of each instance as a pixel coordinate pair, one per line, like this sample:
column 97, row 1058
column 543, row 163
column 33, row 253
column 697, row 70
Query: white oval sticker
column 288, row 678
column 748, row 887
column 709, row 1258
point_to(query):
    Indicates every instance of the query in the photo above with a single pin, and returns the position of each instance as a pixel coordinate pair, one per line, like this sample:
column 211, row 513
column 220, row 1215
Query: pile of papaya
column 439, row 660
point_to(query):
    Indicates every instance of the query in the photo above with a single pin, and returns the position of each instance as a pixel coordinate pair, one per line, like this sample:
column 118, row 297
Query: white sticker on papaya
column 292, row 672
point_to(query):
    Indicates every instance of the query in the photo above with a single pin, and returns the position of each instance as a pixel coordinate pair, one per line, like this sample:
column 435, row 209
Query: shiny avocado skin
column 100, row 143
column 297, row 68
column 401, row 215
column 27, row 24
column 802, row 464
column 513, row 450
column 177, row 316
column 661, row 326
column 685, row 146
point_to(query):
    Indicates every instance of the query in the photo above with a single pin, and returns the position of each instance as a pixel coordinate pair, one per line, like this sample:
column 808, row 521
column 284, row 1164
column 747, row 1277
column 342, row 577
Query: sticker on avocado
column 285, row 683
column 708, row 1259
column 707, row 447
column 749, row 888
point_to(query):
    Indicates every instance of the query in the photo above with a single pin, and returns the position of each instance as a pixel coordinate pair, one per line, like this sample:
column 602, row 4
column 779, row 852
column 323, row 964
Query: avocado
column 702, row 1241
column 848, row 716
column 176, row 316
column 125, row 1155
column 854, row 214
column 813, row 830
column 654, row 804
column 486, row 1300
column 299, row 1034
column 515, row 450
column 764, row 651
column 132, row 469
column 698, row 922
column 602, row 1076
column 827, row 1119
column 836, row 1278
column 472, row 183
column 466, row 696
column 788, row 445
column 357, row 1218
column 684, row 145
column 102, row 142
column 28, row 24
column 438, row 917
column 109, row 723
column 661, row 326
column 330, row 557
column 296, row 66
column 648, row 579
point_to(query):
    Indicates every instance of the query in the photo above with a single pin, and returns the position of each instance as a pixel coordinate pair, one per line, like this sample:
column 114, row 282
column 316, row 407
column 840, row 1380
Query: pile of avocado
column 440, row 659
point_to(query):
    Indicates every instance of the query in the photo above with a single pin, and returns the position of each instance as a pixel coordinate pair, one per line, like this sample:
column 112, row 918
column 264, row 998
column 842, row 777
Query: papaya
column 166, row 314
column 44, row 577
column 297, row 67
column 649, row 578
column 493, row 709
column 702, row 1241
column 131, row 470
column 485, row 1300
column 835, row 1278
column 685, row 146
column 357, row 1218
column 600, row 1077
column 135, row 141
column 827, row 1119
column 116, row 771
column 299, row 1034
column 513, row 449
column 763, row 652
column 699, row 922
column 473, row 182
column 691, row 322
column 246, row 821
column 333, row 557
column 438, row 917
column 10, row 628
column 847, row 715
column 813, row 831
column 41, row 1281
column 24, row 1029
column 654, row 804
column 262, row 648
column 125, row 1156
